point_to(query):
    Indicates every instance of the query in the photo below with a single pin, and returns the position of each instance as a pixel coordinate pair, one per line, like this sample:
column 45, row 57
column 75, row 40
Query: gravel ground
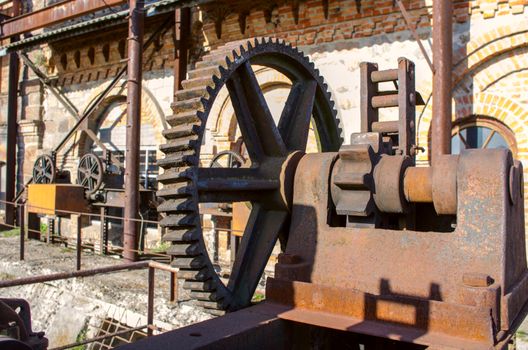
column 52, row 303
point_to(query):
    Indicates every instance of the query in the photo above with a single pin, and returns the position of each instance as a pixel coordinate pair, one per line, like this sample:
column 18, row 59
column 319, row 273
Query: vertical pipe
column 22, row 225
column 103, row 234
column 183, row 32
column 442, row 62
column 173, row 287
column 150, row 300
column 135, row 70
column 12, row 126
column 78, row 244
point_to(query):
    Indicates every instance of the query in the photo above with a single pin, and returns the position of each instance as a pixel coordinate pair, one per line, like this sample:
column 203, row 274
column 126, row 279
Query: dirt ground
column 52, row 303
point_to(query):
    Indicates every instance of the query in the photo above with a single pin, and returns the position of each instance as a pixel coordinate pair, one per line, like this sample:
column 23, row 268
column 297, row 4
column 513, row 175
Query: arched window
column 481, row 132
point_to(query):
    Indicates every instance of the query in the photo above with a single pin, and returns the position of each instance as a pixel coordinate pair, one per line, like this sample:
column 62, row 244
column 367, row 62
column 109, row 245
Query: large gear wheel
column 267, row 184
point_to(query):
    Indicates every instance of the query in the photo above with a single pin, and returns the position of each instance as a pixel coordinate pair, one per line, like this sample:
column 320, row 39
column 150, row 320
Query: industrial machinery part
column 56, row 199
column 44, row 170
column 232, row 160
column 380, row 253
column 15, row 327
column 274, row 152
column 90, row 173
column 99, row 177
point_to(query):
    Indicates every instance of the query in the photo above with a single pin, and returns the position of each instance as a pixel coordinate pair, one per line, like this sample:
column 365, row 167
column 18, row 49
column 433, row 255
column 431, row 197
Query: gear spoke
column 256, row 123
column 90, row 173
column 260, row 236
column 294, row 123
column 44, row 170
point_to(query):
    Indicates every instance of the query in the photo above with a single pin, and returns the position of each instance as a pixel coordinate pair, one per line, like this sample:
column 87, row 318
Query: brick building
column 490, row 74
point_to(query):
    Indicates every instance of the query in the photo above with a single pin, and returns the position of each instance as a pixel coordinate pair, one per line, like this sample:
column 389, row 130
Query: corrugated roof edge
column 152, row 9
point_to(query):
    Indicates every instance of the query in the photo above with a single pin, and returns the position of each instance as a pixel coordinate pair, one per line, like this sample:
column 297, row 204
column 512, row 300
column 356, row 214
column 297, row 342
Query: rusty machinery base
column 388, row 288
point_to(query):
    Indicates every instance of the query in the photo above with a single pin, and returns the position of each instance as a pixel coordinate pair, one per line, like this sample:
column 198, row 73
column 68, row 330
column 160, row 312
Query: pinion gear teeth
column 191, row 108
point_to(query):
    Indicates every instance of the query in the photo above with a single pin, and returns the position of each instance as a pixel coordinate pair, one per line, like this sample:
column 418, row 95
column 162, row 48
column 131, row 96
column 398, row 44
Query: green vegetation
column 11, row 233
column 161, row 247
column 81, row 337
column 43, row 228
column 522, row 335
column 258, row 297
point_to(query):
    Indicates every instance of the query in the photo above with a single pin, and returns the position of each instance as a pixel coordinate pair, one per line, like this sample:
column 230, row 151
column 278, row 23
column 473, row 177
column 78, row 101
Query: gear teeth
column 216, row 312
column 182, row 235
column 175, row 191
column 193, row 275
column 208, row 70
column 193, row 104
column 186, row 94
column 185, row 249
column 177, row 205
column 179, row 144
column 204, row 296
column 197, row 262
column 180, row 220
column 208, row 304
column 184, row 118
column 176, row 175
column 178, row 160
column 197, row 82
column 201, row 286
column 182, row 130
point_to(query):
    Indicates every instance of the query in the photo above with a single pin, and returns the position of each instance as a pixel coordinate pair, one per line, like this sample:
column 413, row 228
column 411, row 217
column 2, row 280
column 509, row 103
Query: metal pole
column 183, row 32
column 442, row 63
column 66, row 275
column 12, row 126
column 22, row 225
column 150, row 301
column 173, row 288
column 79, row 244
column 135, row 70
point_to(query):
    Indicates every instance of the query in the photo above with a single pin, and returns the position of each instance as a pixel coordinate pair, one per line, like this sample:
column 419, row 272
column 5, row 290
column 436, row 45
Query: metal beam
column 70, row 107
column 183, row 32
column 442, row 63
column 12, row 128
column 133, row 133
column 53, row 14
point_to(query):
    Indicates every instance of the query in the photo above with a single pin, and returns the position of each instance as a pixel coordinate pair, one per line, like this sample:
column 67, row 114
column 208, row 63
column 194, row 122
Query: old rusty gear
column 186, row 184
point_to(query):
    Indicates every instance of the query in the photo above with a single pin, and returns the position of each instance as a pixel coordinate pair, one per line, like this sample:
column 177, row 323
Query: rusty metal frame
column 103, row 337
column 151, row 265
column 442, row 78
column 53, row 14
column 100, row 98
column 12, row 126
column 70, row 107
column 133, row 128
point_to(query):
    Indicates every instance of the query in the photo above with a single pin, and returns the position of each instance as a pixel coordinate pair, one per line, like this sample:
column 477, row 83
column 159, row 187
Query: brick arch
column 498, row 42
column 490, row 72
column 488, row 46
column 151, row 111
column 509, row 112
